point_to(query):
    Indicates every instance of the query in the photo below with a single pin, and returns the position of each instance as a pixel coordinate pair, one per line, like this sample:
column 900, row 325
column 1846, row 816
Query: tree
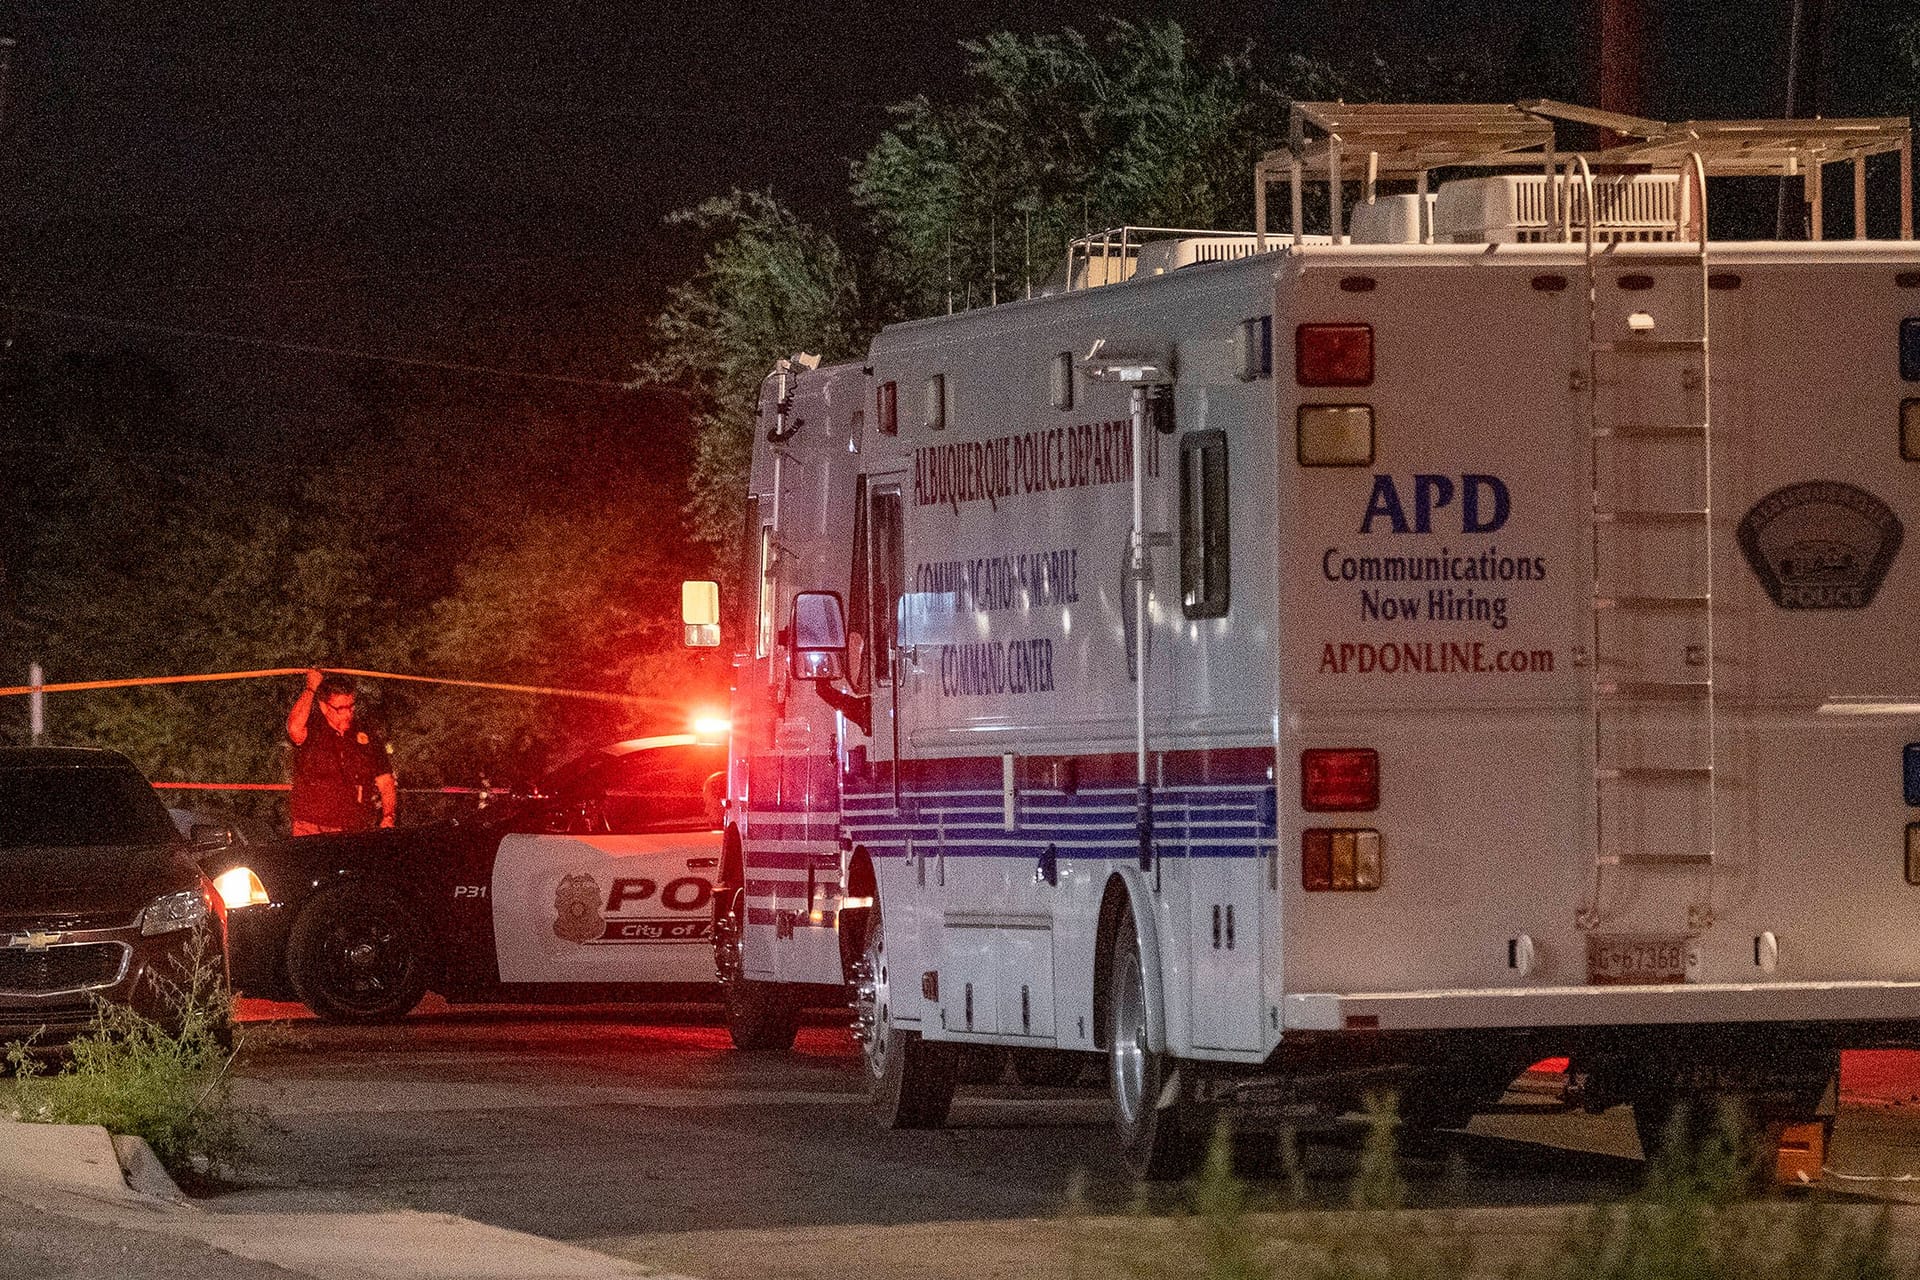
column 1060, row 135
column 770, row 285
column 581, row 600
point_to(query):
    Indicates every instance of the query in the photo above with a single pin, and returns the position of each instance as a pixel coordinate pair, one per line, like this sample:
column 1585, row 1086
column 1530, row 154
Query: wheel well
column 861, row 883
column 1114, row 907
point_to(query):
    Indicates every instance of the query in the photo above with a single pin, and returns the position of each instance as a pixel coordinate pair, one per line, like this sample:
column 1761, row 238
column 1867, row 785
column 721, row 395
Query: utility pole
column 1806, row 51
column 1620, row 61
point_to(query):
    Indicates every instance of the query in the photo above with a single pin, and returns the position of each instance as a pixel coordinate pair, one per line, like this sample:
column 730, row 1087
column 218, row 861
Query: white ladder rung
column 1651, row 602
column 1679, row 690
column 1656, row 859
column 1670, row 515
column 1650, row 346
column 1650, row 431
column 1653, row 773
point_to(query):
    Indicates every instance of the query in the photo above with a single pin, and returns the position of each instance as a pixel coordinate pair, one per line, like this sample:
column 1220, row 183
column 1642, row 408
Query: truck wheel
column 1160, row 1142
column 909, row 1080
column 355, row 956
column 1681, row 1122
column 760, row 1016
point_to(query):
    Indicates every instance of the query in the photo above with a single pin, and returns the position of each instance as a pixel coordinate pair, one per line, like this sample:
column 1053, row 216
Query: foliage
column 769, row 286
column 577, row 601
column 171, row 1085
column 1061, row 134
column 1695, row 1219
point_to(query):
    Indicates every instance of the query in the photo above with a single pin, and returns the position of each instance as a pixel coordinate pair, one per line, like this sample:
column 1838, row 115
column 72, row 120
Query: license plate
column 1635, row 959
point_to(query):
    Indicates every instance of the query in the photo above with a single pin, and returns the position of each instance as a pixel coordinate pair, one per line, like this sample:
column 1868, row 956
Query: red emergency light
column 1339, row 779
column 1333, row 355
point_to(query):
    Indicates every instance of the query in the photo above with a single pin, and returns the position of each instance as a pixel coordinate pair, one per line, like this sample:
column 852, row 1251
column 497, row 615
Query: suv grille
column 73, row 967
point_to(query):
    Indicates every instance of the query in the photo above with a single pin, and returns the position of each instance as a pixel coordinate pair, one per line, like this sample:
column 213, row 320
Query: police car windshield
column 65, row 808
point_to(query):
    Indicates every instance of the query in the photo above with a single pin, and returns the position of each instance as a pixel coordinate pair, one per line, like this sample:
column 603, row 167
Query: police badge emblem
column 1821, row 544
column 576, row 909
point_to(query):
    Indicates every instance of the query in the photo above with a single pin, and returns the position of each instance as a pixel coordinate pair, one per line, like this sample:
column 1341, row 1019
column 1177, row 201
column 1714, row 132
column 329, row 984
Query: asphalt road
column 641, row 1133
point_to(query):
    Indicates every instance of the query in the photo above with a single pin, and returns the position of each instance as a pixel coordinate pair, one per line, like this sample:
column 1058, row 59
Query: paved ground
column 642, row 1136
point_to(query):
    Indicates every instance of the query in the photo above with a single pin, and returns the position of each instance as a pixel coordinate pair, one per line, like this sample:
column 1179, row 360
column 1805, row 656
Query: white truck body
column 1617, row 595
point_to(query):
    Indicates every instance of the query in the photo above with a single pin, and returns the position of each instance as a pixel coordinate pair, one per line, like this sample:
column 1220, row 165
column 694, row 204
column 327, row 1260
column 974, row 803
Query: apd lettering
column 1484, row 503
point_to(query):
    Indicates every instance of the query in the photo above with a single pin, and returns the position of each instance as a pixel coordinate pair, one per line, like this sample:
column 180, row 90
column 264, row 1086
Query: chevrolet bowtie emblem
column 32, row 940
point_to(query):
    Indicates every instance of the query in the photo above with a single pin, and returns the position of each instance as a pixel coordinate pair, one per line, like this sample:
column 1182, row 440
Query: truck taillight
column 1333, row 355
column 1340, row 860
column 1339, row 779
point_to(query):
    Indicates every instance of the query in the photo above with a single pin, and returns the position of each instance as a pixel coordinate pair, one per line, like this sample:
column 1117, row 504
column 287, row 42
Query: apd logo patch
column 1821, row 544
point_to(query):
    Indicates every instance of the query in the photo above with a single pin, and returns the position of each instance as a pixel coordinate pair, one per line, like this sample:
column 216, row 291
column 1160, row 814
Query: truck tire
column 356, row 955
column 909, row 1080
column 1160, row 1142
column 761, row 1017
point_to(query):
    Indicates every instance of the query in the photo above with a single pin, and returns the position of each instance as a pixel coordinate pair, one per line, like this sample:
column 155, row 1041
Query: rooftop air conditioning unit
column 1157, row 257
column 1513, row 208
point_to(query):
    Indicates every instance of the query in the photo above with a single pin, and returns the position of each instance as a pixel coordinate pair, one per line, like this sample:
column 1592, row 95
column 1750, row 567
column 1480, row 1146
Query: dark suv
column 100, row 896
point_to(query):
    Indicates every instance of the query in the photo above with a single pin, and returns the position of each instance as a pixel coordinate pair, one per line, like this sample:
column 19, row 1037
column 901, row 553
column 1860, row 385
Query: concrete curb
column 82, row 1174
column 143, row 1171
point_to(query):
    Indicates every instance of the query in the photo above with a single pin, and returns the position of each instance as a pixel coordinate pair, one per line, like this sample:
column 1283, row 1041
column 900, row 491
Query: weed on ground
column 169, row 1084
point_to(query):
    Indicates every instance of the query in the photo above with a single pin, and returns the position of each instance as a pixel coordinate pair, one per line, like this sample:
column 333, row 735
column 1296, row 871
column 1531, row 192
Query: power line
column 311, row 348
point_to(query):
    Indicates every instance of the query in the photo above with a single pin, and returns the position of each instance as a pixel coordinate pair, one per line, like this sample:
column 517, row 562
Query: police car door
column 612, row 882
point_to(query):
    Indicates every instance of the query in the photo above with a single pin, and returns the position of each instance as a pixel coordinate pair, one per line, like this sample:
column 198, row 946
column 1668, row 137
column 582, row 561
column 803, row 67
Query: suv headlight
column 175, row 911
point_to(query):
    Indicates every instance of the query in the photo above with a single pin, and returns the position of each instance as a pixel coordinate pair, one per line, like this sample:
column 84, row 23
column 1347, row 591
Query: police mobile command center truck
column 1302, row 665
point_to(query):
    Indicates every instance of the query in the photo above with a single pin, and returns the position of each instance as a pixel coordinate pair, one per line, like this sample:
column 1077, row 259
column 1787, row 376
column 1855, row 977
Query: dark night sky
column 486, row 183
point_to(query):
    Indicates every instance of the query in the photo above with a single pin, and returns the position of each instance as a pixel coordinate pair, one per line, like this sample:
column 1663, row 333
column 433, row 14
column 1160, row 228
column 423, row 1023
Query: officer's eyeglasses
column 339, row 706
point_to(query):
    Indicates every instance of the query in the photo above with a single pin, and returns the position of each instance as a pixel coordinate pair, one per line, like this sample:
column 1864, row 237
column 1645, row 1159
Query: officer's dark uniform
column 333, row 775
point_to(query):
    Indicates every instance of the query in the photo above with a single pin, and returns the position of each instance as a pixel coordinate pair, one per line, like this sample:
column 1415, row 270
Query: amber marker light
column 239, row 887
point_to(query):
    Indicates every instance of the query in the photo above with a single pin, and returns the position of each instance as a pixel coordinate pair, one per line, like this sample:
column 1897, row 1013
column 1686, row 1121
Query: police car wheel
column 760, row 1016
column 355, row 956
column 909, row 1080
column 1160, row 1142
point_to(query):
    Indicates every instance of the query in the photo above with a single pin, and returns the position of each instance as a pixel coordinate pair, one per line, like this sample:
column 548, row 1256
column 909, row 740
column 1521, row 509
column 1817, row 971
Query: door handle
column 1048, row 872
column 701, row 864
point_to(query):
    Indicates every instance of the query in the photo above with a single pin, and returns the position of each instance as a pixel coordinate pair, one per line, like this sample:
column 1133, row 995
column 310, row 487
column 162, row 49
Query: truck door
column 1220, row 801
column 888, row 633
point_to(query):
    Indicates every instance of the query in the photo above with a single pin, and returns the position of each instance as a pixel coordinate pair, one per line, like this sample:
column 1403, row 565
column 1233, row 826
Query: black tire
column 1695, row 1120
column 1047, row 1068
column 909, row 1080
column 761, row 1016
column 355, row 955
column 1160, row 1142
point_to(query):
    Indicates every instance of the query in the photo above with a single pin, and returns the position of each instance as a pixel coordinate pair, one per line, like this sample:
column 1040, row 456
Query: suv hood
column 97, row 885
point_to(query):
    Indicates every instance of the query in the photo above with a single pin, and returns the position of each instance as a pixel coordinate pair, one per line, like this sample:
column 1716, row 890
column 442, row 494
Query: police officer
column 339, row 767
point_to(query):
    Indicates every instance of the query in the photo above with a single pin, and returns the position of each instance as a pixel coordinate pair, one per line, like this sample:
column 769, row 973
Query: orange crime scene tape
column 80, row 686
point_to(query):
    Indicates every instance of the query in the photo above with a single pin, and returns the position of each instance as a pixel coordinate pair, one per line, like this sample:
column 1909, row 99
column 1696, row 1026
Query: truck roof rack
column 1338, row 142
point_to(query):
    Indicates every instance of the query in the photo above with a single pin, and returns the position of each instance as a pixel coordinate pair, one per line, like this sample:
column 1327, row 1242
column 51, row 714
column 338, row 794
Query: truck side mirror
column 700, row 611
column 819, row 636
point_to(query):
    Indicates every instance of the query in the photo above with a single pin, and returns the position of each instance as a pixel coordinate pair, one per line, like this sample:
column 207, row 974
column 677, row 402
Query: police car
column 597, row 887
